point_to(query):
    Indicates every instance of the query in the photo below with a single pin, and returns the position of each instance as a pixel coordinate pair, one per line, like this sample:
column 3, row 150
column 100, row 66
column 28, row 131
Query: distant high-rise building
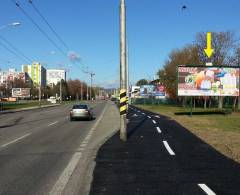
column 36, row 73
column 55, row 75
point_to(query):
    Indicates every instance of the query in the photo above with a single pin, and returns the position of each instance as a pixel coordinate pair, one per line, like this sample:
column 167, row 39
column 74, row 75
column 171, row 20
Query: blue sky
column 90, row 28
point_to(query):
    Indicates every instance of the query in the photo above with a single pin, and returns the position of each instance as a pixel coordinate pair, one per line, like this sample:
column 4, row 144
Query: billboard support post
column 191, row 108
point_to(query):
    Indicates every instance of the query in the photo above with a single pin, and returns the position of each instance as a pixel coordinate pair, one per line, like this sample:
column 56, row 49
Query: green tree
column 185, row 56
column 142, row 82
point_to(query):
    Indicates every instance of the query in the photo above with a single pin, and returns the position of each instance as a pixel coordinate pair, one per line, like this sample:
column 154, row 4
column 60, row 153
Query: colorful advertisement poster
column 208, row 81
column 146, row 90
column 159, row 91
column 152, row 90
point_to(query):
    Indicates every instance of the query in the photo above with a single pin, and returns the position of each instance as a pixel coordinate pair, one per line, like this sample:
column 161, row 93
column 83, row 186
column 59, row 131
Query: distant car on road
column 81, row 111
column 52, row 99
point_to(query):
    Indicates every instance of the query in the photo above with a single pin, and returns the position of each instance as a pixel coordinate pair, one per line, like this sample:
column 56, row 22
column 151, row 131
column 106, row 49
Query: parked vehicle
column 81, row 111
column 52, row 99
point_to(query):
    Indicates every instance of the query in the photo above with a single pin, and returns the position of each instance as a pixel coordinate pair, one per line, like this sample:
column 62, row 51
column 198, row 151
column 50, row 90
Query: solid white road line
column 68, row 171
column 206, row 189
column 168, row 148
column 22, row 137
column 149, row 117
column 53, row 123
column 154, row 122
column 158, row 129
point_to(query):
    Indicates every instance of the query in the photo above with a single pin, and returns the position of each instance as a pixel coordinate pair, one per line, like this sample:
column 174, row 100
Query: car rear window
column 80, row 107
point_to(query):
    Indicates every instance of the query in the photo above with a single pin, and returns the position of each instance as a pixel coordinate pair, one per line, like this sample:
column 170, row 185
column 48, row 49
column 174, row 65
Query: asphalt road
column 162, row 157
column 39, row 149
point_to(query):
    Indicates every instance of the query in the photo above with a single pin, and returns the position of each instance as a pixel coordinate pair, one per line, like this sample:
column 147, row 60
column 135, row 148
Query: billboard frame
column 204, row 66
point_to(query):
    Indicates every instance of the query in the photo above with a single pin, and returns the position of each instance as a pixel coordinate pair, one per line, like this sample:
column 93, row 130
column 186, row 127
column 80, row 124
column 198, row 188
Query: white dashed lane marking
column 14, row 141
column 170, row 151
column 149, row 117
column 53, row 123
column 154, row 122
column 206, row 189
column 158, row 129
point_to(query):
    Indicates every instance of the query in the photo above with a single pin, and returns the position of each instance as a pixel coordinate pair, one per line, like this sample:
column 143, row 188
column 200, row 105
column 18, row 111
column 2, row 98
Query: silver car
column 81, row 111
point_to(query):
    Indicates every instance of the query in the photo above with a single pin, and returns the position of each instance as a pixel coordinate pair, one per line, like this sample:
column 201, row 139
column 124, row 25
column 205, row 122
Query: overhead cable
column 39, row 28
column 48, row 24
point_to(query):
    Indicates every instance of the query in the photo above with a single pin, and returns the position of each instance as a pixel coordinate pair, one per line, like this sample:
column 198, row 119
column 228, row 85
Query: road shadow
column 83, row 119
column 204, row 113
column 15, row 122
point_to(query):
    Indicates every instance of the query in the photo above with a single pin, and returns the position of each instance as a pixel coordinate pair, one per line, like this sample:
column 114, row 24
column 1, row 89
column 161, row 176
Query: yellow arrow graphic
column 209, row 51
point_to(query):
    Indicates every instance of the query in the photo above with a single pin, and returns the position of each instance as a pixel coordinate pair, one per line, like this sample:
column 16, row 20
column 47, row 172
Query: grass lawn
column 10, row 106
column 222, row 131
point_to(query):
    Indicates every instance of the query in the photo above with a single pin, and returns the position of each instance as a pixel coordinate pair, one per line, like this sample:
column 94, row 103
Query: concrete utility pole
column 123, row 69
column 128, row 92
column 91, row 74
column 39, row 86
column 87, row 92
column 61, row 90
column 81, row 91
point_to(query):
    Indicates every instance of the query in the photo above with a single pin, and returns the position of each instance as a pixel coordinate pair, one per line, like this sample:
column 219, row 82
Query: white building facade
column 55, row 75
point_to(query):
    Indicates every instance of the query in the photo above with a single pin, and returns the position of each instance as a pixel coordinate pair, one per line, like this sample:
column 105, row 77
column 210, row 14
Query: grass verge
column 11, row 106
column 222, row 131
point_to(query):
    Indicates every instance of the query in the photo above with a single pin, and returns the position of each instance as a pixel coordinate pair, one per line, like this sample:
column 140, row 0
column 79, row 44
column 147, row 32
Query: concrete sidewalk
column 162, row 157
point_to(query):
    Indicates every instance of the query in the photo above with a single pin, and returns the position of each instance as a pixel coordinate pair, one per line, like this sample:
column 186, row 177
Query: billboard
column 157, row 90
column 146, row 90
column 208, row 81
column 55, row 75
column 21, row 92
column 135, row 91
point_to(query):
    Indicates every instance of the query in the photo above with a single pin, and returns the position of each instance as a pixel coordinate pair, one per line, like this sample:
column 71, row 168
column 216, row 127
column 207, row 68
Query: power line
column 48, row 24
column 12, row 52
column 15, row 49
column 38, row 27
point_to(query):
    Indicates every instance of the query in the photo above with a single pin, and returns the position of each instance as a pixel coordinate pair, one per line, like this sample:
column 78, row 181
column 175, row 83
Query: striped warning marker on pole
column 123, row 101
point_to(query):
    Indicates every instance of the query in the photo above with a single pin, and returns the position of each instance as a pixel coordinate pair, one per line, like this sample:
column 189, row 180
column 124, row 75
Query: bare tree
column 74, row 88
column 223, row 43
